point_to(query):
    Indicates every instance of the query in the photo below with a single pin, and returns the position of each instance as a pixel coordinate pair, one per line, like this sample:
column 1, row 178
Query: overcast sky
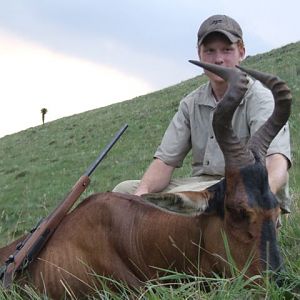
column 70, row 56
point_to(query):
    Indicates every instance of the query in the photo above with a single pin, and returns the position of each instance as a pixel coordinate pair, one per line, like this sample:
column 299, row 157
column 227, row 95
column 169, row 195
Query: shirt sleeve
column 260, row 107
column 176, row 141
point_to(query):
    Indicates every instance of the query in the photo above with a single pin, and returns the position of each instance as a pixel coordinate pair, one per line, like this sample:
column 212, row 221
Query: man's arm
column 277, row 166
column 156, row 178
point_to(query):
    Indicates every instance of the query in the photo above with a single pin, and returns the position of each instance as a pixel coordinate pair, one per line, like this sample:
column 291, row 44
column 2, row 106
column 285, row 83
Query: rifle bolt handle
column 10, row 259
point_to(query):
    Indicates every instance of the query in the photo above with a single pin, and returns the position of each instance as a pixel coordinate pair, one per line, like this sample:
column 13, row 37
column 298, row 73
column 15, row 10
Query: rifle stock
column 28, row 250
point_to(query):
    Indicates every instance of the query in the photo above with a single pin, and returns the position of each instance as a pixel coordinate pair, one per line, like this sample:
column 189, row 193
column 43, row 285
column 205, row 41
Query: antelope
column 134, row 239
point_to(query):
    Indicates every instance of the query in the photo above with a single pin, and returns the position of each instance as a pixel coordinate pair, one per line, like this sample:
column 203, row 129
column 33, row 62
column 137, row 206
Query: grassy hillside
column 39, row 165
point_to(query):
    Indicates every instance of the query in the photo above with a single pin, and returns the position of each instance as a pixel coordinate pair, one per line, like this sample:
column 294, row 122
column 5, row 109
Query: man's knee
column 126, row 187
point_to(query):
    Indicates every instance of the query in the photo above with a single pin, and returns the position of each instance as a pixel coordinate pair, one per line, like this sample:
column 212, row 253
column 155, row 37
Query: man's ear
column 199, row 52
column 242, row 51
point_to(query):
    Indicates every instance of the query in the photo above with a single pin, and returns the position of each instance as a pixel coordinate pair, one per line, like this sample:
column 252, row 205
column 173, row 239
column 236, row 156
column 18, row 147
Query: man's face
column 217, row 49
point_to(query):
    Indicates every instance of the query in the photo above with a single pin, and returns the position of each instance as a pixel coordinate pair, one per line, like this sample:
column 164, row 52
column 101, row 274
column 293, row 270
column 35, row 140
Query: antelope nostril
column 280, row 277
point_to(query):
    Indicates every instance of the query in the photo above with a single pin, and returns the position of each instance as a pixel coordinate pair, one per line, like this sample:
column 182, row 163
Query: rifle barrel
column 103, row 153
column 38, row 237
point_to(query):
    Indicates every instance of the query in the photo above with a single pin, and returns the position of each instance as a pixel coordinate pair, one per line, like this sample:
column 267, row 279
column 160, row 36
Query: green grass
column 38, row 167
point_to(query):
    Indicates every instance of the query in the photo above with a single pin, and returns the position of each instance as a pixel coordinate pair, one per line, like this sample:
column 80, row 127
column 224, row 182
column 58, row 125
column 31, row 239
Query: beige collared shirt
column 191, row 129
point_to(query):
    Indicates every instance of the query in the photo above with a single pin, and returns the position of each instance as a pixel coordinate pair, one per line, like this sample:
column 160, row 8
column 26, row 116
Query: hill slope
column 38, row 166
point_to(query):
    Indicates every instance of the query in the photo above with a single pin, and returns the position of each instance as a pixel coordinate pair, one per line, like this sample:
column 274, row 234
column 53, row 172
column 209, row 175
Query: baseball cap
column 223, row 24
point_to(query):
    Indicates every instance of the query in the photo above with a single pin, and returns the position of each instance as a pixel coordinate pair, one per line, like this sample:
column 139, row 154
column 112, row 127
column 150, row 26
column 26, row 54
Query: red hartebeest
column 128, row 239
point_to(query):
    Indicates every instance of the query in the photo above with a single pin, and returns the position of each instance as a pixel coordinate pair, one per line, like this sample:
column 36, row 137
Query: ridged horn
column 260, row 141
column 235, row 153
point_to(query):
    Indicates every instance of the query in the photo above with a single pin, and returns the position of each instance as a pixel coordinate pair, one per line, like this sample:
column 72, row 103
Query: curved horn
column 235, row 153
column 260, row 141
column 220, row 71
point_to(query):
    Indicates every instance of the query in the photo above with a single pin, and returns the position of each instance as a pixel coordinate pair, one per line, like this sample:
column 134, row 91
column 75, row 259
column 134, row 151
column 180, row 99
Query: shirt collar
column 207, row 98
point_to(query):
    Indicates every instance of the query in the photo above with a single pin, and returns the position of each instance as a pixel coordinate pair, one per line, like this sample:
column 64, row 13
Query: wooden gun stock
column 28, row 250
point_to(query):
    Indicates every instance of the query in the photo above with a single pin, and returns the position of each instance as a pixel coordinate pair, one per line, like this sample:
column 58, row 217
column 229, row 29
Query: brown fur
column 122, row 237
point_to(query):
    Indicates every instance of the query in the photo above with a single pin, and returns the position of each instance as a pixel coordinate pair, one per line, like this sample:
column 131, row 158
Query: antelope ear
column 187, row 203
column 241, row 221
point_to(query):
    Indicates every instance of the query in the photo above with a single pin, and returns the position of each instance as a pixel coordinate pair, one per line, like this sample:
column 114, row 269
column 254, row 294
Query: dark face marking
column 269, row 250
column 216, row 204
column 255, row 179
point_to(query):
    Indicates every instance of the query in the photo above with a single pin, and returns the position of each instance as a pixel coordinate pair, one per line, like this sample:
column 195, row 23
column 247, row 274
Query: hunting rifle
column 29, row 248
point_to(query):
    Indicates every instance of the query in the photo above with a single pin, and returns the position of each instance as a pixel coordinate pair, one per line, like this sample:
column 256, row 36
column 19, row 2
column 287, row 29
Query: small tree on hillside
column 43, row 111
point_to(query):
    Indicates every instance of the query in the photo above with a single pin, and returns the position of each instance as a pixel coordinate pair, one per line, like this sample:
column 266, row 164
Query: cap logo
column 215, row 22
